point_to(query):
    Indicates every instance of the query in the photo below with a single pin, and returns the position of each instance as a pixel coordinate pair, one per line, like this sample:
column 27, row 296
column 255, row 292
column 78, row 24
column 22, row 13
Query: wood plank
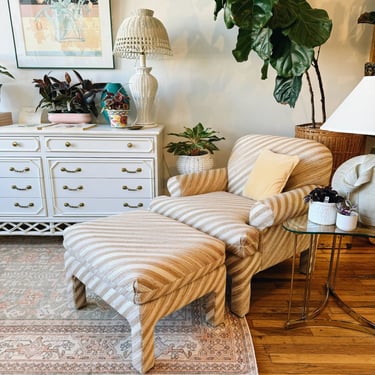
column 317, row 350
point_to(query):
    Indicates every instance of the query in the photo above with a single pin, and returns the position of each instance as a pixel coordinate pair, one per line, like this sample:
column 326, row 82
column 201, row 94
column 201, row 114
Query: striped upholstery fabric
column 145, row 266
column 198, row 183
column 252, row 230
column 219, row 214
column 315, row 160
column 278, row 208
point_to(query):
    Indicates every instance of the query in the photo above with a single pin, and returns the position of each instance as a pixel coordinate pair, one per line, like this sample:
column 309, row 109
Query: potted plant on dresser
column 116, row 105
column 68, row 102
column 287, row 35
column 195, row 152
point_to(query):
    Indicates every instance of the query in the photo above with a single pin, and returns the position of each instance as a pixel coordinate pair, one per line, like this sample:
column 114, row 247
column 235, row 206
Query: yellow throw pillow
column 269, row 175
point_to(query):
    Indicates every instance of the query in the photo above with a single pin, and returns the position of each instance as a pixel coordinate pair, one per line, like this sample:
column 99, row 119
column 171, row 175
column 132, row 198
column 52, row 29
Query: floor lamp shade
column 139, row 36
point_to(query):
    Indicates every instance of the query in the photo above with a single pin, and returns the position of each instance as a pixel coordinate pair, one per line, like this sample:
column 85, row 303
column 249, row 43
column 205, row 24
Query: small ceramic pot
column 347, row 223
column 322, row 213
column 118, row 117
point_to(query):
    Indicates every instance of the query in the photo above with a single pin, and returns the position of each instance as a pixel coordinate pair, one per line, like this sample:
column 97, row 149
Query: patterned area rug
column 40, row 333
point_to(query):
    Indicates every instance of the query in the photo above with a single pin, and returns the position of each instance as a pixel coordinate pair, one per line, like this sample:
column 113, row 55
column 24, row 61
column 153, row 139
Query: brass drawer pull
column 79, row 205
column 139, row 205
column 31, row 204
column 26, row 169
column 130, row 145
column 15, row 144
column 63, row 169
column 67, row 144
column 138, row 170
column 139, row 187
column 80, row 187
column 15, row 187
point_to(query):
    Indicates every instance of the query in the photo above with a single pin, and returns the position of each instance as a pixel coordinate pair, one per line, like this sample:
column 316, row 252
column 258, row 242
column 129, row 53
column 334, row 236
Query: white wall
column 202, row 82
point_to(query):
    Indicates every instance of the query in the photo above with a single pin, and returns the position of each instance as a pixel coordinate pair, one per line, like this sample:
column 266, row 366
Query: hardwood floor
column 315, row 349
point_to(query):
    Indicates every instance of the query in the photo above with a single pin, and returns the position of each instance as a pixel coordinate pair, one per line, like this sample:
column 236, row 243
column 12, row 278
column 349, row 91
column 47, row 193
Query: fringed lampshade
column 138, row 36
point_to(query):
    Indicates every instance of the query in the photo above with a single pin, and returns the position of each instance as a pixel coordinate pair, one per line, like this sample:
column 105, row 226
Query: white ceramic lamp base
column 143, row 87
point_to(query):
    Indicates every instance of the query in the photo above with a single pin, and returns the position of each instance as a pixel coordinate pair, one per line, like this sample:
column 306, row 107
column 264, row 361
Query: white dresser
column 51, row 178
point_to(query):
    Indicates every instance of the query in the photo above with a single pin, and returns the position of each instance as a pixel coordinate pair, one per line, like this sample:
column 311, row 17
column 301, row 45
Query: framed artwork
column 62, row 33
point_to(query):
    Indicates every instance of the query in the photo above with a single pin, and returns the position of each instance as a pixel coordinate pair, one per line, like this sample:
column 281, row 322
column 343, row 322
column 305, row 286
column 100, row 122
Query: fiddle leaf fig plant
column 283, row 33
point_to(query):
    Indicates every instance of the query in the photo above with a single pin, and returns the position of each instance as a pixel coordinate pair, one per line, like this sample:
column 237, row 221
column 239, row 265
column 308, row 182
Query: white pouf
column 357, row 177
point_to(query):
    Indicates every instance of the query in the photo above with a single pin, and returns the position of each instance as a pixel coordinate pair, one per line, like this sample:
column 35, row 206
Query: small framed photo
column 62, row 33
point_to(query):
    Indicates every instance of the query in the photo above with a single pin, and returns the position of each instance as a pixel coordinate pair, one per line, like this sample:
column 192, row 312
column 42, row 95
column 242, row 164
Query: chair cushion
column 140, row 254
column 269, row 175
column 220, row 214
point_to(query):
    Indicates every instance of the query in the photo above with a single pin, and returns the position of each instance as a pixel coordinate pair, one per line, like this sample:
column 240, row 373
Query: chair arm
column 280, row 207
column 198, row 183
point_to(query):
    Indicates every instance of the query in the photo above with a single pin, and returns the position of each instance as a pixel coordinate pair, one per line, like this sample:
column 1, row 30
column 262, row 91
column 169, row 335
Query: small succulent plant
column 324, row 194
column 346, row 207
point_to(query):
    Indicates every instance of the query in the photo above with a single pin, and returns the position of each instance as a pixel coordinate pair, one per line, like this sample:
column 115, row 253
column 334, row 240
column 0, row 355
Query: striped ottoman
column 145, row 266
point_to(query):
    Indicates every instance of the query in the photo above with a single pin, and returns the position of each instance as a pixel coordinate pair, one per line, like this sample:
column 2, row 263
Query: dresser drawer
column 100, row 188
column 15, row 168
column 22, row 207
column 19, row 144
column 94, row 206
column 20, row 187
column 100, row 145
column 109, row 168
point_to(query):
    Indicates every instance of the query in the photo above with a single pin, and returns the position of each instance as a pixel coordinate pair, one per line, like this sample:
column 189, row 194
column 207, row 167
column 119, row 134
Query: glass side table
column 301, row 225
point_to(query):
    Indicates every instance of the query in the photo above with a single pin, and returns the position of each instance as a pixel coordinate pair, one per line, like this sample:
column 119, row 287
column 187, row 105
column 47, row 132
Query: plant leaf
column 287, row 90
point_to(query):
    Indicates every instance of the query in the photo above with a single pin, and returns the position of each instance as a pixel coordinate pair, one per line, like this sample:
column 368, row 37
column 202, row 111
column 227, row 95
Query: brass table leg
column 306, row 319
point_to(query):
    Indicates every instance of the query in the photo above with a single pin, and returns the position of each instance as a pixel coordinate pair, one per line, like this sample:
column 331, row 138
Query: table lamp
column 356, row 176
column 138, row 36
column 356, row 114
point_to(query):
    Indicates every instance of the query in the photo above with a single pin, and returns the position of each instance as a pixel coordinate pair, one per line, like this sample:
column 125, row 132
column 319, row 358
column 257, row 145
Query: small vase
column 322, row 213
column 347, row 223
column 111, row 87
column 118, row 117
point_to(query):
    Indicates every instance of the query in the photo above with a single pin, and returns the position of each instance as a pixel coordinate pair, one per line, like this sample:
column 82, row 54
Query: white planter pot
column 346, row 222
column 322, row 213
column 193, row 164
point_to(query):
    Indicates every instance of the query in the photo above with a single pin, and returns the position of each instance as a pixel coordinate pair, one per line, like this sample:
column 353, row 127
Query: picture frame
column 62, row 34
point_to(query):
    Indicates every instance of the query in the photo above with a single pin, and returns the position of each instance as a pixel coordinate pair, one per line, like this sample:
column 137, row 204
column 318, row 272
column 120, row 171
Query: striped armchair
column 212, row 202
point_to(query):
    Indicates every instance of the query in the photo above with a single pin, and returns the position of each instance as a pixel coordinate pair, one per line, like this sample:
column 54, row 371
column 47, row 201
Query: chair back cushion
column 314, row 166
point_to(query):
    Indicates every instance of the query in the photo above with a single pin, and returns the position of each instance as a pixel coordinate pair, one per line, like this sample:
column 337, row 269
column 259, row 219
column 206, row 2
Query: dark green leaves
column 199, row 141
column 283, row 33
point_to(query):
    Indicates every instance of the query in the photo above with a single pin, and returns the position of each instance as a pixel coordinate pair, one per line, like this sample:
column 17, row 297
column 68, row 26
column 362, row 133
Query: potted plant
column 62, row 97
column 194, row 153
column 287, row 36
column 347, row 215
column 322, row 205
column 116, row 105
column 284, row 34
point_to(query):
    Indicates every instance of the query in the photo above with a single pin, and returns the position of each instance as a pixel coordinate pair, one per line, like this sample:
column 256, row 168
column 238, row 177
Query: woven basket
column 343, row 146
column 194, row 164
